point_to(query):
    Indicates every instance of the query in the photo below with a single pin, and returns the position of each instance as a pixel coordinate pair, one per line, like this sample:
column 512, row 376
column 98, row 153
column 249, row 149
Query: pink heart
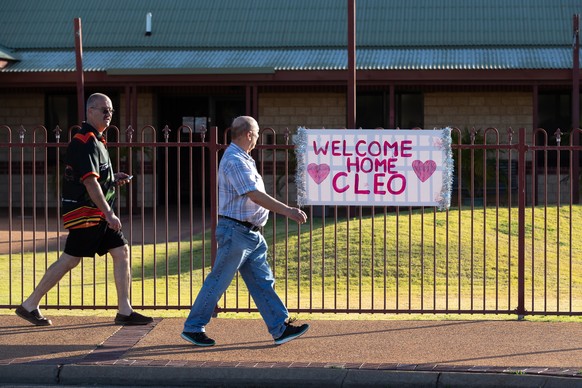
column 318, row 172
column 424, row 170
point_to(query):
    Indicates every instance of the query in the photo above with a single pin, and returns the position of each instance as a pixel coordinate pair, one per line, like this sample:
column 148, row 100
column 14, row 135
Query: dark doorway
column 370, row 112
column 226, row 110
column 176, row 111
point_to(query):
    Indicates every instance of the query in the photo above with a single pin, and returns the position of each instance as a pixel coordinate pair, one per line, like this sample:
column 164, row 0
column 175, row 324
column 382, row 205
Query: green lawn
column 412, row 260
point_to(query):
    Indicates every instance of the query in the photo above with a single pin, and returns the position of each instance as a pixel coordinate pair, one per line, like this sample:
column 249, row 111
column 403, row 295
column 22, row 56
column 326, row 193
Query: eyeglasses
column 104, row 110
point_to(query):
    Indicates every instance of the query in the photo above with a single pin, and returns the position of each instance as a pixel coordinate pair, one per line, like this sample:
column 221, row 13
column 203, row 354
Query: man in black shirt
column 89, row 187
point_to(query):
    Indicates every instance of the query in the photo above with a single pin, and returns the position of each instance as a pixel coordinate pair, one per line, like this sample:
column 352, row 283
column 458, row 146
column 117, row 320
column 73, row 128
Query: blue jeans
column 239, row 249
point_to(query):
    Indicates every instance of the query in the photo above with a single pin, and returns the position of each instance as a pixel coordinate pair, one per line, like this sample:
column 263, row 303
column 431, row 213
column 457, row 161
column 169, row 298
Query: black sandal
column 34, row 316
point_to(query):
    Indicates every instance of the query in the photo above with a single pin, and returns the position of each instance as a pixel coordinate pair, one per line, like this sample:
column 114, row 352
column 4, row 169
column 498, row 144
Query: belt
column 252, row 227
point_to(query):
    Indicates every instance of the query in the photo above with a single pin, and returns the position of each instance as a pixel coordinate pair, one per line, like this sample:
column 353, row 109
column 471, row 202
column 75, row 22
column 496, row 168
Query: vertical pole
column 213, row 150
column 134, row 123
column 522, row 149
column 134, row 105
column 392, row 122
column 213, row 154
column 131, row 188
column 255, row 102
column 576, row 108
column 80, row 76
column 351, row 64
column 535, row 102
column 248, row 101
column 127, row 106
column 535, row 125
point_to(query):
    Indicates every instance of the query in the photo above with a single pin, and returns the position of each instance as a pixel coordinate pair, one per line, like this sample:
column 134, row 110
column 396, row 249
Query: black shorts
column 100, row 239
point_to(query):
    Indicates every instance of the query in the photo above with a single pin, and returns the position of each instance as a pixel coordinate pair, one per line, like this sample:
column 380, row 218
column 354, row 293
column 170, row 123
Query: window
column 373, row 110
column 554, row 111
column 409, row 110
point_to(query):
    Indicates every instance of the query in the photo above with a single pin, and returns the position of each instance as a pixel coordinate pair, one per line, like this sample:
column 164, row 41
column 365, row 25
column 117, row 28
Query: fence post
column 521, row 150
column 213, row 145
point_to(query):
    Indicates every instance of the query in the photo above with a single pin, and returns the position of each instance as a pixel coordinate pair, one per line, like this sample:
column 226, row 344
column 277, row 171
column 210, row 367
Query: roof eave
column 186, row 71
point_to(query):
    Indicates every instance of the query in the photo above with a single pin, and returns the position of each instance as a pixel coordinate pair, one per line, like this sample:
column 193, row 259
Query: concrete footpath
column 344, row 353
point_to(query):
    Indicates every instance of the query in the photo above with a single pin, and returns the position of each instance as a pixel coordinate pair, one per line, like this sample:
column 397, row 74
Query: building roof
column 269, row 35
column 142, row 62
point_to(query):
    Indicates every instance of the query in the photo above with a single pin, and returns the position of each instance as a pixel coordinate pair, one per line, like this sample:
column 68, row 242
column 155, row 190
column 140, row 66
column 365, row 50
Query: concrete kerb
column 501, row 380
column 29, row 374
column 74, row 374
column 180, row 376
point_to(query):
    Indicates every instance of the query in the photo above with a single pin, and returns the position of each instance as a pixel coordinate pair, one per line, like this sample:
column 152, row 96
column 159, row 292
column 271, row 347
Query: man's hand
column 122, row 178
column 112, row 220
column 297, row 214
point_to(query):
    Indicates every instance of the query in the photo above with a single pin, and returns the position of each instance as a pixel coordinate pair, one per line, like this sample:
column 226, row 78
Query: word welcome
column 363, row 148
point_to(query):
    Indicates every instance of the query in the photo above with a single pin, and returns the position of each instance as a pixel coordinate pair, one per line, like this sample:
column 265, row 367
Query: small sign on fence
column 374, row 167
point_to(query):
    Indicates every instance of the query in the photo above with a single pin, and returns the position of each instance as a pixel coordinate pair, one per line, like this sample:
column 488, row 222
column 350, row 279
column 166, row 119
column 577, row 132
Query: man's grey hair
column 241, row 125
column 93, row 98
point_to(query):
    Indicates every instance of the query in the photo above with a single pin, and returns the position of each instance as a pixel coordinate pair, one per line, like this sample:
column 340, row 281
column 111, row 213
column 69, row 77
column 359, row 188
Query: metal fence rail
column 507, row 245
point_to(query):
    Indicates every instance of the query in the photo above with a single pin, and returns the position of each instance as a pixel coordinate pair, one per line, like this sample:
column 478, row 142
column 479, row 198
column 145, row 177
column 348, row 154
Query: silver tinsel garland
column 300, row 177
column 449, row 167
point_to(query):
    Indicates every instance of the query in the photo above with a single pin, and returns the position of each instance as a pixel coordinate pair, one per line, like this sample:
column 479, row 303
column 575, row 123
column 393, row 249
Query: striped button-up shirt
column 237, row 176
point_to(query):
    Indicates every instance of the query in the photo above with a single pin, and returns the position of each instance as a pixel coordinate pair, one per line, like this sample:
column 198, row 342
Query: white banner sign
column 374, row 167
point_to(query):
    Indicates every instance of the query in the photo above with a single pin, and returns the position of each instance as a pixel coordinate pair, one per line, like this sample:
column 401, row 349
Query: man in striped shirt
column 89, row 187
column 243, row 208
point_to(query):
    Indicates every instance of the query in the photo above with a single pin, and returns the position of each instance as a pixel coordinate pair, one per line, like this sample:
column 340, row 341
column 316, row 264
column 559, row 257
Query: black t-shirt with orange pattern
column 87, row 156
